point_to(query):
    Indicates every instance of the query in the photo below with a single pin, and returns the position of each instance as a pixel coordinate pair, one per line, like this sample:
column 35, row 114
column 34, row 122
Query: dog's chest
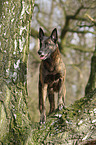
column 50, row 78
column 53, row 81
column 51, row 73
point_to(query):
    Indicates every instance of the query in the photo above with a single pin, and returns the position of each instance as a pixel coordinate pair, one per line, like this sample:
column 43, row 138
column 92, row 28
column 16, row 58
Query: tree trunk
column 91, row 85
column 15, row 28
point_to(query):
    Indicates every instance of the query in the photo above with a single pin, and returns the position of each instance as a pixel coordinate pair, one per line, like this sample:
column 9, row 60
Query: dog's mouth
column 43, row 57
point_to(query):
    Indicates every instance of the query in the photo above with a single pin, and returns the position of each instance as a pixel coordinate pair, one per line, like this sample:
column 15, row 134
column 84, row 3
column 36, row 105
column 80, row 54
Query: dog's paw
column 42, row 120
column 61, row 106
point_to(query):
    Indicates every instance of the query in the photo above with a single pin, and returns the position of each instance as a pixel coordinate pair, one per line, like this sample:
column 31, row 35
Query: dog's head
column 47, row 44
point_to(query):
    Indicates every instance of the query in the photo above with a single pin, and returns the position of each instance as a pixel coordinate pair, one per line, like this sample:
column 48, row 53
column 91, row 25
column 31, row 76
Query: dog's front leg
column 61, row 94
column 51, row 99
column 42, row 104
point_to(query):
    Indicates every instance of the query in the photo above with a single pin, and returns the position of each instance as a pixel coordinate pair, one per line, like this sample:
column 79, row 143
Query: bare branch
column 85, row 25
column 68, row 18
column 76, row 18
column 79, row 18
column 91, row 19
column 78, row 31
column 78, row 10
column 80, row 48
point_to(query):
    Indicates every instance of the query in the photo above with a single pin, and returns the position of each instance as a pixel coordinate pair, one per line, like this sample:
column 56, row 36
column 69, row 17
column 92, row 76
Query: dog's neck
column 49, row 62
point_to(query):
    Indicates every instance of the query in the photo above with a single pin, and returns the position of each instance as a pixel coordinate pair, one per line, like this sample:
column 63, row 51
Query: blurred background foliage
column 76, row 24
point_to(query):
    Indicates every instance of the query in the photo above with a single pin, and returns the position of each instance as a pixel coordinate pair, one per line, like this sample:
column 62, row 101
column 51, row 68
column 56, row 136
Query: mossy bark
column 74, row 125
column 15, row 28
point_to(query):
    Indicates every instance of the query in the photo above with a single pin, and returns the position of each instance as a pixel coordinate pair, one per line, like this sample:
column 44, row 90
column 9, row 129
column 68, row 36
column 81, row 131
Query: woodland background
column 75, row 21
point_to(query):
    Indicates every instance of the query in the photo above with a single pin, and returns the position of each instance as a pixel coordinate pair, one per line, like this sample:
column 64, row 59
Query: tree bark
column 73, row 125
column 14, row 117
column 91, row 85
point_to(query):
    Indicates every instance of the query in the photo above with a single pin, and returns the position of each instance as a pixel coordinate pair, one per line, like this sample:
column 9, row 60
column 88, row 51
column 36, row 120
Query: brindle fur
column 52, row 73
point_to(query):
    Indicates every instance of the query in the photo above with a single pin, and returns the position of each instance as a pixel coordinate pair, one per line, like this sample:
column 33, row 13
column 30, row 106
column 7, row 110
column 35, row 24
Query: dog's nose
column 39, row 52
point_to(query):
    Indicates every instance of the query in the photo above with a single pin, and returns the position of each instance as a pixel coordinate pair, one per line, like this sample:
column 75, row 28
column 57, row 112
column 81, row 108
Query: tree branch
column 68, row 18
column 76, row 18
column 85, row 25
column 78, row 10
column 80, row 48
column 92, row 20
column 78, row 31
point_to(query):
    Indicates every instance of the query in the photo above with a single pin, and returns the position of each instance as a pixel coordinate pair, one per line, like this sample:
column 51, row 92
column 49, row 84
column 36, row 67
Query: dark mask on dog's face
column 47, row 44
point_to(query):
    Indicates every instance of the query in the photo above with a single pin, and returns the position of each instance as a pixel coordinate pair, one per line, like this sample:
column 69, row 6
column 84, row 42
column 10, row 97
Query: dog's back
column 52, row 73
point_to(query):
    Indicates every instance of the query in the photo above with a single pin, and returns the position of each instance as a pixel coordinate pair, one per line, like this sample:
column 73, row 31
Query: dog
column 52, row 73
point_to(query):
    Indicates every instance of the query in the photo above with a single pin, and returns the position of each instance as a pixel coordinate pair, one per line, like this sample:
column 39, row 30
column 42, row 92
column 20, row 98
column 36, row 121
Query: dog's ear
column 41, row 33
column 54, row 36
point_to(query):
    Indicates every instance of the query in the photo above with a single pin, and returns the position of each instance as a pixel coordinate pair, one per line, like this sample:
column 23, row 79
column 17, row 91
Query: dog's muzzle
column 42, row 55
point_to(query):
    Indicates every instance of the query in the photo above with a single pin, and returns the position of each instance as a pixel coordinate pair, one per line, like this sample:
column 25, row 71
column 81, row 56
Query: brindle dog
column 52, row 73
